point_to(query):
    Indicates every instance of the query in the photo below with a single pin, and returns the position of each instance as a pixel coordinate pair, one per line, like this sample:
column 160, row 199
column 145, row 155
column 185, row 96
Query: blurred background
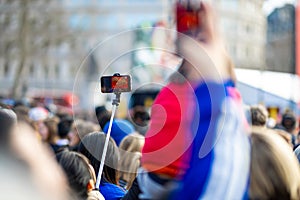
column 48, row 45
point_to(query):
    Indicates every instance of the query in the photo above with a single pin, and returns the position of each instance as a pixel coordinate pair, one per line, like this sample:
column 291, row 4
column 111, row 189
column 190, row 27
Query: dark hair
column 92, row 145
column 103, row 118
column 7, row 120
column 100, row 110
column 77, row 170
column 143, row 115
column 64, row 127
column 289, row 121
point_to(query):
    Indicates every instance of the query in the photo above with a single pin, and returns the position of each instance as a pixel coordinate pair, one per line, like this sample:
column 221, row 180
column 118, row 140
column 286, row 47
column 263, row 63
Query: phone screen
column 187, row 19
column 110, row 84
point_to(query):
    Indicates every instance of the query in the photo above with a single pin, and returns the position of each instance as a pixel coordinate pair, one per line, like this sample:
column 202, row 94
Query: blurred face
column 43, row 131
column 73, row 137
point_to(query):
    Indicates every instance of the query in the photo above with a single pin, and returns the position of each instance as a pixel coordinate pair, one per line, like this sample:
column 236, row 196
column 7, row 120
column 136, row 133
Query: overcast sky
column 269, row 5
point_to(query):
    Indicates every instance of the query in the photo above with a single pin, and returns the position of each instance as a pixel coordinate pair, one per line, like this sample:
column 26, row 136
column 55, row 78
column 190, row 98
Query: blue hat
column 120, row 129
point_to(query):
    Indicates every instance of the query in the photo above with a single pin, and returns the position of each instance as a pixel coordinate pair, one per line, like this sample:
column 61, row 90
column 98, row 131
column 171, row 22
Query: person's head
column 79, row 129
column 51, row 130
column 38, row 115
column 132, row 143
column 100, row 110
column 22, row 112
column 129, row 164
column 8, row 121
column 259, row 115
column 289, row 122
column 103, row 115
column 38, row 174
column 140, row 116
column 103, row 119
column 80, row 174
column 64, row 127
column 120, row 129
column 275, row 172
column 92, row 145
column 130, row 155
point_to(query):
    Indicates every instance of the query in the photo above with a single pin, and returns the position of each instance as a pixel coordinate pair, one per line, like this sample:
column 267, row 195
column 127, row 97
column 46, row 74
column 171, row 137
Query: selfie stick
column 115, row 103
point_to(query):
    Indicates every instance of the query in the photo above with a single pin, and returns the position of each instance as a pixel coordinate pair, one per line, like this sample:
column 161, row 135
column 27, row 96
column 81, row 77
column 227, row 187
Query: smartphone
column 115, row 83
column 187, row 18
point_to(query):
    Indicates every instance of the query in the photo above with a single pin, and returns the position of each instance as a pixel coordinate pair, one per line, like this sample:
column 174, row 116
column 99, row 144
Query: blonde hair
column 133, row 143
column 51, row 124
column 130, row 154
column 275, row 172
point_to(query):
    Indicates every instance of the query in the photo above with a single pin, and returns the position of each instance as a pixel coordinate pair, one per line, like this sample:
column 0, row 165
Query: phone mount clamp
column 115, row 103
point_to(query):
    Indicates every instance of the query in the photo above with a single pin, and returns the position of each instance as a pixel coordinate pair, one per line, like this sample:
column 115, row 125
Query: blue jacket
column 111, row 191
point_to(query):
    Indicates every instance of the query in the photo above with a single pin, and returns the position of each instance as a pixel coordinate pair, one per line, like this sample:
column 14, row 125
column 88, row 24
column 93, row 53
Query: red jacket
column 168, row 140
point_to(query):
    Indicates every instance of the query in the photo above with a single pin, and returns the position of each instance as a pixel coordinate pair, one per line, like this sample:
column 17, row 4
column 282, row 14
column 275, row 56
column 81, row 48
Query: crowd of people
column 197, row 143
column 57, row 157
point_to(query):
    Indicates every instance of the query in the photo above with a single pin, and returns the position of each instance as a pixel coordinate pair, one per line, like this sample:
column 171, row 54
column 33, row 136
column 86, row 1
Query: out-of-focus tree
column 33, row 33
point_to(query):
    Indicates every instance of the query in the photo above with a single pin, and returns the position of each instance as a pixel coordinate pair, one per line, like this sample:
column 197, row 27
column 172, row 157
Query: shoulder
column 111, row 191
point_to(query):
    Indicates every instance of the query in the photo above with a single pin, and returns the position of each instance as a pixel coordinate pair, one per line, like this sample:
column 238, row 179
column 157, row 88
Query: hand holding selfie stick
column 115, row 103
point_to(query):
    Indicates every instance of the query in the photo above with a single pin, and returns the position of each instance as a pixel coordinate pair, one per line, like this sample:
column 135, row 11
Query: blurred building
column 35, row 47
column 100, row 22
column 64, row 32
column 243, row 25
column 281, row 40
column 105, row 29
column 59, row 35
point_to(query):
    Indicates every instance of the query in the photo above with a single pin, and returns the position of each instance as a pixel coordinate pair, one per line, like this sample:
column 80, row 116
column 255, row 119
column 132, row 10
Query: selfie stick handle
column 115, row 103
